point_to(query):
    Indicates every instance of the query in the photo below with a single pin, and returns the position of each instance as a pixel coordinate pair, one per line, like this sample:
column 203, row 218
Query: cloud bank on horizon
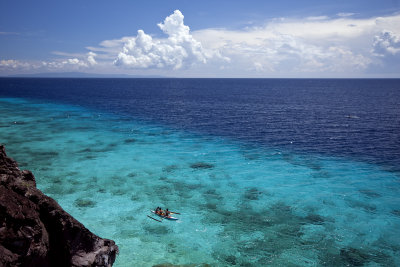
column 340, row 46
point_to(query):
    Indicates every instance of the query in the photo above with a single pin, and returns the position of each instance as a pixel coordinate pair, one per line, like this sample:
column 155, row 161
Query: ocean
column 264, row 172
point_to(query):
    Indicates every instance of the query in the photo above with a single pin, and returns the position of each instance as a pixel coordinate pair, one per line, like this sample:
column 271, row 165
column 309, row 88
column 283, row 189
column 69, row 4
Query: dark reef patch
column 211, row 205
column 308, row 162
column 212, row 194
column 170, row 168
column 370, row 193
column 85, row 150
column 84, row 203
column 182, row 265
column 354, row 257
column 57, row 180
column 84, row 128
column 321, row 174
column 128, row 234
column 119, row 192
column 357, row 204
column 46, row 154
column 396, row 212
column 178, row 189
column 118, row 181
column 252, row 194
column 90, row 157
column 156, row 229
column 74, row 181
column 315, row 219
column 201, row 165
column 132, row 174
column 101, row 190
column 73, row 173
column 130, row 141
column 249, row 155
column 57, row 189
column 98, row 148
column 135, row 197
column 231, row 260
column 153, row 134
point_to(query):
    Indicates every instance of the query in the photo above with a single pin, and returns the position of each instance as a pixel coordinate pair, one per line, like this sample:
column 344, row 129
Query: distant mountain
column 79, row 75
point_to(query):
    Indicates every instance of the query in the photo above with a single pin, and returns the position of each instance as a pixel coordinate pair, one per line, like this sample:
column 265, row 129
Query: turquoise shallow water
column 239, row 204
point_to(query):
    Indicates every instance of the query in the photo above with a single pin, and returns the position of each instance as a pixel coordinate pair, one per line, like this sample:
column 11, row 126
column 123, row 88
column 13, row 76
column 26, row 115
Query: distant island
column 77, row 75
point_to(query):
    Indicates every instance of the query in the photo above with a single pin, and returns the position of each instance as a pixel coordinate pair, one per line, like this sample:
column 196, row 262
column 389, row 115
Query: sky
column 182, row 38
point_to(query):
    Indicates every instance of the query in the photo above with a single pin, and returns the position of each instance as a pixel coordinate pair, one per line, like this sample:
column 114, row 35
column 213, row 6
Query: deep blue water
column 345, row 117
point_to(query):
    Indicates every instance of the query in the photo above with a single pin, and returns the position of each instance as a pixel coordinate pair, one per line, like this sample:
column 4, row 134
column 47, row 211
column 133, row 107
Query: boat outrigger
column 165, row 217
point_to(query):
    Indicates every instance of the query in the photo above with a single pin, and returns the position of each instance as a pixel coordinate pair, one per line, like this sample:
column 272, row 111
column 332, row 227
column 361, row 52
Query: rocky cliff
column 36, row 231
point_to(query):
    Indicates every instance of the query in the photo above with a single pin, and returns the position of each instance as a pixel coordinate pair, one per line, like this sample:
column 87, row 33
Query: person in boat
column 158, row 210
column 161, row 212
column 167, row 213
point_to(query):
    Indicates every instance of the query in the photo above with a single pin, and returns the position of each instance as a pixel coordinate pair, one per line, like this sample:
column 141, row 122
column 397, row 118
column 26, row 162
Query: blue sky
column 202, row 38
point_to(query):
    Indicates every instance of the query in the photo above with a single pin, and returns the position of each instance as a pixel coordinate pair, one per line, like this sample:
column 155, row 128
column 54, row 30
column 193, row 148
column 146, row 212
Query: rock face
column 36, row 231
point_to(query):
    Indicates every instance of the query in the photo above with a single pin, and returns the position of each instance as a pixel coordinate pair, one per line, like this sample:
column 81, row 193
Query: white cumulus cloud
column 91, row 58
column 178, row 50
column 385, row 43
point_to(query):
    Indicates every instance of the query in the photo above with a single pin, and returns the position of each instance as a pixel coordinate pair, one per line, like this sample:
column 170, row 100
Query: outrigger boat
column 165, row 217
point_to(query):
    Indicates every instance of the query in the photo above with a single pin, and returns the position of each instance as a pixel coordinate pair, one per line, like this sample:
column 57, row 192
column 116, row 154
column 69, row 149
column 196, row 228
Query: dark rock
column 22, row 232
column 36, row 231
